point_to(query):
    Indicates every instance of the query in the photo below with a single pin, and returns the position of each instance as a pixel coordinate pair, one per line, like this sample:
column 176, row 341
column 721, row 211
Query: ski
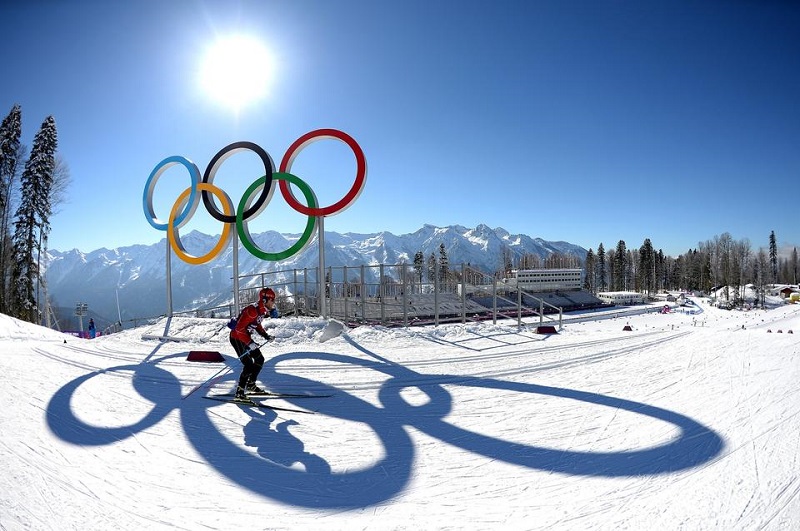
column 256, row 404
column 274, row 395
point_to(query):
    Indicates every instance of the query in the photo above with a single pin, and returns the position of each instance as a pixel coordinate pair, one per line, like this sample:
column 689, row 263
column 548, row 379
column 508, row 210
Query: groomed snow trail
column 680, row 423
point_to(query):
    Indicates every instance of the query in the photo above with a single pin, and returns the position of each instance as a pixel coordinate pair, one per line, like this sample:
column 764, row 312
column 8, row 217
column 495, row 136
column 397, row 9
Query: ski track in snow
column 469, row 426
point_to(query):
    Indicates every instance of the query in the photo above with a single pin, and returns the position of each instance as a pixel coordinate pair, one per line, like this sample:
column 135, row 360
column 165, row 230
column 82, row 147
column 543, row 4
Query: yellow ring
column 175, row 238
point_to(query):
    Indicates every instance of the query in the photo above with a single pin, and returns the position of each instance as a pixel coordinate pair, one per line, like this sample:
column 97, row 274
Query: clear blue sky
column 584, row 121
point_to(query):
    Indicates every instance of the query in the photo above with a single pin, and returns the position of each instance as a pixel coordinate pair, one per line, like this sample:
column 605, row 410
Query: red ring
column 352, row 194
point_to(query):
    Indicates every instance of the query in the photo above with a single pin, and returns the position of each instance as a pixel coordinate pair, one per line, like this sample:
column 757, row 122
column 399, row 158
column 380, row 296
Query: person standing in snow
column 92, row 329
column 249, row 321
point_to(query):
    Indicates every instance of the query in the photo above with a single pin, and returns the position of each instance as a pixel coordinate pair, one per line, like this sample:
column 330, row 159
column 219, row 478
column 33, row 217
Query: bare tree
column 58, row 195
column 761, row 275
column 507, row 262
column 739, row 265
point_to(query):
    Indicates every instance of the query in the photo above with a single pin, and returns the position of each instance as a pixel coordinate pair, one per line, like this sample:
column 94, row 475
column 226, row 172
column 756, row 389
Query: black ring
column 211, row 171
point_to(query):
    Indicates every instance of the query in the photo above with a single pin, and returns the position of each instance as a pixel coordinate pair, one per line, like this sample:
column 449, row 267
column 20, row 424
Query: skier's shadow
column 282, row 469
column 278, row 445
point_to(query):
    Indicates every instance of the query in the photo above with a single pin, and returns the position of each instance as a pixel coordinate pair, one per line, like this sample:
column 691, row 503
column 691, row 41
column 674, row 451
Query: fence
column 395, row 295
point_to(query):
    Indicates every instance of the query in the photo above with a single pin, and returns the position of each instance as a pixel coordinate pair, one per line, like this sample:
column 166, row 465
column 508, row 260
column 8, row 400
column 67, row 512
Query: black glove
column 266, row 336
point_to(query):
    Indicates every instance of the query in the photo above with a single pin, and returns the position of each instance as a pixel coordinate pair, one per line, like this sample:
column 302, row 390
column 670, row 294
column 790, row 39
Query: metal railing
column 399, row 294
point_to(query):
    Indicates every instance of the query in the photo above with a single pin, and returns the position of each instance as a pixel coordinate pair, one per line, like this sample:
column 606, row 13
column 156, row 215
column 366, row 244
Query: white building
column 549, row 279
column 621, row 298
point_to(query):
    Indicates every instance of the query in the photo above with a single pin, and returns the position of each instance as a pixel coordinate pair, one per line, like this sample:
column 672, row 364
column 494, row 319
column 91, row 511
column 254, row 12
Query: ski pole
column 201, row 384
column 219, row 372
column 249, row 350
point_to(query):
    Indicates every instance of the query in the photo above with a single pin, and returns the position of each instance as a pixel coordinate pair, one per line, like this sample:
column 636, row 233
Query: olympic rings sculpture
column 255, row 199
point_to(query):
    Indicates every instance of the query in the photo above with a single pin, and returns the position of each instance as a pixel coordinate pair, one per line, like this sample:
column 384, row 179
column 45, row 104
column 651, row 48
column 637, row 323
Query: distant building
column 783, row 290
column 787, row 292
column 548, row 279
column 621, row 298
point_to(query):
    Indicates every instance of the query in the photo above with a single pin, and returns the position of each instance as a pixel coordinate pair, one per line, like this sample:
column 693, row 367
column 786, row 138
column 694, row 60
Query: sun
column 237, row 71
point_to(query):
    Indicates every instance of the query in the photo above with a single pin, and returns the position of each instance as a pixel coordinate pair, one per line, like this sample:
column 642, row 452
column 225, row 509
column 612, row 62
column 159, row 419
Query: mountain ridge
column 136, row 274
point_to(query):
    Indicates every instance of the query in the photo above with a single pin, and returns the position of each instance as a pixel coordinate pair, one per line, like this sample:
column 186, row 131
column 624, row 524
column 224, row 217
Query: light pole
column 81, row 309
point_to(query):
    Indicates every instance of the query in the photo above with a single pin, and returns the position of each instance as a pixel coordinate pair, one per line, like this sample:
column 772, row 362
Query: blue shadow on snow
column 282, row 469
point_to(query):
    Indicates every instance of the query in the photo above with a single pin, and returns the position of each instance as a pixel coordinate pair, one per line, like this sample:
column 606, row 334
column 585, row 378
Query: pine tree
column 611, row 274
column 32, row 225
column 773, row 256
column 432, row 268
column 590, row 268
column 621, row 267
column 647, row 265
column 659, row 271
column 10, row 154
column 444, row 266
column 601, row 268
column 419, row 263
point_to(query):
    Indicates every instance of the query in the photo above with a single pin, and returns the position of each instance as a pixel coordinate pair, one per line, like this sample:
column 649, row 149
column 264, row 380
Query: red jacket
column 249, row 321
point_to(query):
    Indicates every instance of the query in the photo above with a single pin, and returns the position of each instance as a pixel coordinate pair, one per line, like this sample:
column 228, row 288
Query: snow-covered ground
column 689, row 421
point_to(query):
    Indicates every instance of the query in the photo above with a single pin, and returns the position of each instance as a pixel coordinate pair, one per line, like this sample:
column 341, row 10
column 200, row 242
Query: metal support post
column 494, row 300
column 463, row 293
column 363, row 293
column 169, row 279
column 405, row 298
column 345, row 294
column 436, row 298
column 235, row 243
column 321, row 240
column 381, row 294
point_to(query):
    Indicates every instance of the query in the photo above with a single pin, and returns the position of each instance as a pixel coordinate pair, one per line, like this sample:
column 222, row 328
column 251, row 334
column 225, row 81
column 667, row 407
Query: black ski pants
column 252, row 362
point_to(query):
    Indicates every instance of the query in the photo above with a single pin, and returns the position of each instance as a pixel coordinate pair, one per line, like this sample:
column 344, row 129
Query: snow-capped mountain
column 136, row 275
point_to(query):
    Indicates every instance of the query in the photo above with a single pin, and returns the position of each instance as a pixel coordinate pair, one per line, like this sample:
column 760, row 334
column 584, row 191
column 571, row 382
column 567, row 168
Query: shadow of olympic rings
column 268, row 473
column 693, row 445
column 158, row 386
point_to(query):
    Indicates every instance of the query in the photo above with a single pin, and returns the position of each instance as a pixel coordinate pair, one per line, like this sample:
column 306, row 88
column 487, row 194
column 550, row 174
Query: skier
column 249, row 321
column 92, row 329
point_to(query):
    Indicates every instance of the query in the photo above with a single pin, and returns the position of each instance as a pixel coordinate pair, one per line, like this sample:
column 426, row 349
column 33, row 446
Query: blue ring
column 147, row 196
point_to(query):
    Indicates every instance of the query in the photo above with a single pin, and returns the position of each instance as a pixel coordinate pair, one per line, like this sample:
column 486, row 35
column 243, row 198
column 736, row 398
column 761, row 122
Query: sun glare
column 237, row 71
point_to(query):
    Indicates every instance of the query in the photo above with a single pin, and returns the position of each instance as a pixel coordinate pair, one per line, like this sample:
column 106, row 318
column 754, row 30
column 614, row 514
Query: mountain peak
column 136, row 274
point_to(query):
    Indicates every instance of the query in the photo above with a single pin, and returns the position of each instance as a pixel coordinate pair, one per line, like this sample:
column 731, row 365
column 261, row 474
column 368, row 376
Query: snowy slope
column 686, row 422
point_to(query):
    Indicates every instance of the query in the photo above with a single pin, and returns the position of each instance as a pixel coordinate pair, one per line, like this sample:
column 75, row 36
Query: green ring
column 244, row 232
